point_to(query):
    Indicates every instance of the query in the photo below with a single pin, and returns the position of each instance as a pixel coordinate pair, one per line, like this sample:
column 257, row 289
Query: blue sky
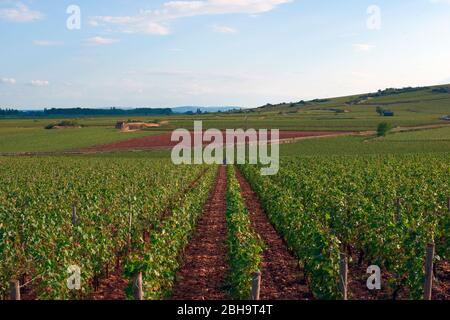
column 216, row 52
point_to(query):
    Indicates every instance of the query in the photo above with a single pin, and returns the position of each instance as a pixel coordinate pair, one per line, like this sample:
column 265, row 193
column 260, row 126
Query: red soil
column 111, row 288
column 281, row 275
column 205, row 258
column 441, row 288
column 164, row 140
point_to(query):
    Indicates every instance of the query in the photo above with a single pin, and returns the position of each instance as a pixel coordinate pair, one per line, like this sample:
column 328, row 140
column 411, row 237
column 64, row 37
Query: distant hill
column 381, row 97
column 203, row 109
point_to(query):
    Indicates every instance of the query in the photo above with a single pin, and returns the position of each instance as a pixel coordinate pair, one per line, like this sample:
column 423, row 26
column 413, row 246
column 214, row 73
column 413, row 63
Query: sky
column 163, row 53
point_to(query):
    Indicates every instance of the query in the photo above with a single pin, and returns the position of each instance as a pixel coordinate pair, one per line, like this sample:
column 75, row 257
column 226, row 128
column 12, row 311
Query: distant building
column 120, row 125
column 388, row 113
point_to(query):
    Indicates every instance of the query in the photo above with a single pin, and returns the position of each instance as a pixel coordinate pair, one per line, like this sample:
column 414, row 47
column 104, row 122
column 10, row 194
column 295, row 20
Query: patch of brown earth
column 441, row 287
column 112, row 287
column 164, row 140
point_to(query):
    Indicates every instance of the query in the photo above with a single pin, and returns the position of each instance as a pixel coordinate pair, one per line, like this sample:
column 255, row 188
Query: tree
column 383, row 129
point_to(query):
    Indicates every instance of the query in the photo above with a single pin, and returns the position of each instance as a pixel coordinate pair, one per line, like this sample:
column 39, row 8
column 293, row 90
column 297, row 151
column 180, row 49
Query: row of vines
column 382, row 210
column 244, row 245
column 160, row 260
column 116, row 202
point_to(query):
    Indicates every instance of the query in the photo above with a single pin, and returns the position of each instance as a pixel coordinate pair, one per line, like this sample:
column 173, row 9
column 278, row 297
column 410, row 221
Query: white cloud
column 135, row 24
column 8, row 80
column 178, row 9
column 155, row 21
column 39, row 83
column 21, row 13
column 100, row 41
column 46, row 43
column 224, row 29
column 363, row 47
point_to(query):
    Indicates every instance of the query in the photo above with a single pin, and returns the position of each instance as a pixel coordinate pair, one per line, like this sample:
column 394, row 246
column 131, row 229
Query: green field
column 439, row 134
column 363, row 145
column 35, row 139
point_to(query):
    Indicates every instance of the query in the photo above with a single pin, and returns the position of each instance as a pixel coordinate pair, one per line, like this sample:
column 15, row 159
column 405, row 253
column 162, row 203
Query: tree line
column 80, row 112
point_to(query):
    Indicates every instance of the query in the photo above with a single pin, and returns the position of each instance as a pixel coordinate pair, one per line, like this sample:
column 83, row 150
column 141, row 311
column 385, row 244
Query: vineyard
column 224, row 158
column 116, row 202
column 377, row 210
column 184, row 232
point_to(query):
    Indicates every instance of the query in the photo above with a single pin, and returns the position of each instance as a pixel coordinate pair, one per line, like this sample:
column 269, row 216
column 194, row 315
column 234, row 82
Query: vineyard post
column 129, row 230
column 256, row 285
column 343, row 275
column 397, row 208
column 137, row 286
column 429, row 272
column 14, row 293
column 448, row 204
column 74, row 215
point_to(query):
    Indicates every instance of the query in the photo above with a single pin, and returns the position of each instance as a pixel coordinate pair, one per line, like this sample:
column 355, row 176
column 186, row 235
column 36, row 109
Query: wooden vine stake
column 429, row 272
column 14, row 293
column 397, row 209
column 448, row 204
column 130, row 222
column 74, row 215
column 137, row 287
column 256, row 285
column 343, row 275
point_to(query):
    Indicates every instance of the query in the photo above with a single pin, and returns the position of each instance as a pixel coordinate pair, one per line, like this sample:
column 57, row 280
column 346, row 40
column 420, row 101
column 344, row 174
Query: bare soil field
column 164, row 140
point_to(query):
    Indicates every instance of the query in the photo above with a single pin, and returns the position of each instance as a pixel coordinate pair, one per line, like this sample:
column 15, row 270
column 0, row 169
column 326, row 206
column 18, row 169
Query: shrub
column 383, row 129
column 64, row 123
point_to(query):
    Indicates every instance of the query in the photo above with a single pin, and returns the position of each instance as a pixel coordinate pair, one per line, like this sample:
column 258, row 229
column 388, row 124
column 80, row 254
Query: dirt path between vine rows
column 205, row 259
column 282, row 278
column 112, row 287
